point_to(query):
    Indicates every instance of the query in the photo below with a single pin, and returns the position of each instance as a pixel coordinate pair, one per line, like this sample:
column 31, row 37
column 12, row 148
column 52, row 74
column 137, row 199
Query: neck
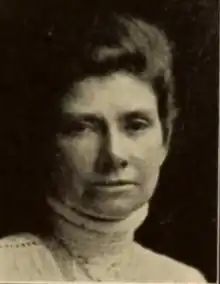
column 91, row 239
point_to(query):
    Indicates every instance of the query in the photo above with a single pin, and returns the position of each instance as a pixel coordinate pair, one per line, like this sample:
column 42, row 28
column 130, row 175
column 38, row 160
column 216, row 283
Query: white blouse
column 76, row 254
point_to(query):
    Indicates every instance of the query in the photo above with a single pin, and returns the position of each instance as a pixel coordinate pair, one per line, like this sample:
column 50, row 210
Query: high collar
column 91, row 239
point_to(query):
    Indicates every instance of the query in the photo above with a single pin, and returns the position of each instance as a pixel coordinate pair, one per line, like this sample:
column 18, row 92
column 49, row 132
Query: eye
column 77, row 127
column 137, row 125
column 82, row 127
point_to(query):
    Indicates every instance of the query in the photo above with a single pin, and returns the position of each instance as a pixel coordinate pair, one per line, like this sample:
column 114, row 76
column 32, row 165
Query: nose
column 112, row 155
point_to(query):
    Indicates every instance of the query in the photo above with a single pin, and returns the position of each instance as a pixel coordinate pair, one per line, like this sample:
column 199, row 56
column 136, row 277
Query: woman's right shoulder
column 24, row 257
column 18, row 241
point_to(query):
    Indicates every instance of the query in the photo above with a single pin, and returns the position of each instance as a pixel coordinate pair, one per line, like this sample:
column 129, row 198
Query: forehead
column 118, row 91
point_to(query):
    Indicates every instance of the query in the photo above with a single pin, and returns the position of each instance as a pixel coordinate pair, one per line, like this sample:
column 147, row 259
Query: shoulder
column 24, row 258
column 18, row 240
column 160, row 268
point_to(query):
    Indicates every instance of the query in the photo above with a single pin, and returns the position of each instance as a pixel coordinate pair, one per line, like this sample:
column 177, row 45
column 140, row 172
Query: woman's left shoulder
column 161, row 268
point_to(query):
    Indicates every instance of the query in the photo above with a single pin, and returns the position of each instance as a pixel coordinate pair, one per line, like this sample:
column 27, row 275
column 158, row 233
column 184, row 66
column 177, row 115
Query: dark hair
column 112, row 43
column 53, row 60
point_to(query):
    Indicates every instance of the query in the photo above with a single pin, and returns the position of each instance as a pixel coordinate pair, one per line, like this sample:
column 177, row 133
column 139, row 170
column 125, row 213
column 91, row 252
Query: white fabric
column 129, row 224
column 84, row 250
column 100, row 249
column 25, row 258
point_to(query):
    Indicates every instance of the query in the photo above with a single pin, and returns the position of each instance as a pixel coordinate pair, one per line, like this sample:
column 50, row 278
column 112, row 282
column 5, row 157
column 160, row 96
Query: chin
column 110, row 212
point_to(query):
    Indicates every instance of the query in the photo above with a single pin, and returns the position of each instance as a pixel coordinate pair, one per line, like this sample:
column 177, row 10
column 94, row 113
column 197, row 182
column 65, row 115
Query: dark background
column 183, row 216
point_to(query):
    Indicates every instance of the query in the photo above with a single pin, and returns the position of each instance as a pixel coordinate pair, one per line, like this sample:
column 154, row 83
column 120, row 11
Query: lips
column 114, row 183
column 113, row 188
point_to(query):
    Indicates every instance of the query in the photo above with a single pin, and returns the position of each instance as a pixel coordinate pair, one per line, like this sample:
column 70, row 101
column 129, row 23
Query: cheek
column 76, row 164
column 149, row 174
column 147, row 162
column 80, row 153
column 148, row 166
column 149, row 149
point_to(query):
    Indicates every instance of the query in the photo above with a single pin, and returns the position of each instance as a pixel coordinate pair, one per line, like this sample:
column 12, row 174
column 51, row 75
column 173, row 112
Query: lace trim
column 19, row 241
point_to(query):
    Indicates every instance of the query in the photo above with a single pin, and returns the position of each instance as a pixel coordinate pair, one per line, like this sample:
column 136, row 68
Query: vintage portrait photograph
column 109, row 141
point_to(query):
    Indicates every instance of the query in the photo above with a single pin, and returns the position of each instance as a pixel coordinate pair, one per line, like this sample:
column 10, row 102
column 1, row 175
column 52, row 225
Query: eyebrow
column 142, row 114
column 68, row 117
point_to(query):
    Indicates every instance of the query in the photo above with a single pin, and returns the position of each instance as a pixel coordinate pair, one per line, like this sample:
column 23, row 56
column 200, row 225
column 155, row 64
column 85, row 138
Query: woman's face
column 111, row 145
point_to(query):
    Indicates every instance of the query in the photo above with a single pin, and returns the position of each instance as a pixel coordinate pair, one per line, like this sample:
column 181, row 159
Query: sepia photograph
column 109, row 141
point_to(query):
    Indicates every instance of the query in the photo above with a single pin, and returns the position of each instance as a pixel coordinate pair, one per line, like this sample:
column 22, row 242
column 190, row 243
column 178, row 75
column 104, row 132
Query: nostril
column 110, row 157
column 116, row 162
column 123, row 163
column 107, row 163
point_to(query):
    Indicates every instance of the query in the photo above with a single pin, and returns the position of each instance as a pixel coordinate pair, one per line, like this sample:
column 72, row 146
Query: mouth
column 118, row 186
column 114, row 183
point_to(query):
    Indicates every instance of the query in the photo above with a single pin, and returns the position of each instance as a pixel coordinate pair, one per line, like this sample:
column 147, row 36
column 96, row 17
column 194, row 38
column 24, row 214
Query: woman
column 110, row 107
